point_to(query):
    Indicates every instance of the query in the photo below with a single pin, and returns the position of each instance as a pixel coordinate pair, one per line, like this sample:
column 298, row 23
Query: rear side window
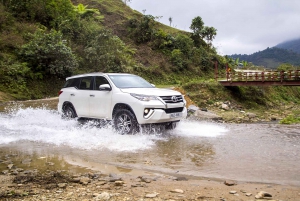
column 86, row 83
column 72, row 83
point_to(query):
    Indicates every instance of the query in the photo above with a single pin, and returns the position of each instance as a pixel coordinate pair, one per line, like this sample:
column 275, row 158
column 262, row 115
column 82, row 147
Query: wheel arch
column 119, row 106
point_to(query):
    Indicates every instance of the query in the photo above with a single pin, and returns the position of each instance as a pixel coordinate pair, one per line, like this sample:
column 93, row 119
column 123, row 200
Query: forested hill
column 293, row 45
column 270, row 57
column 42, row 42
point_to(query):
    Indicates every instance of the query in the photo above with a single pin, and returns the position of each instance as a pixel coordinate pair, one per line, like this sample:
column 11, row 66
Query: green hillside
column 42, row 42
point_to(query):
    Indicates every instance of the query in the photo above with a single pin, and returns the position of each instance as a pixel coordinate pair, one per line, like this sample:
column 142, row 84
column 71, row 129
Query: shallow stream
column 268, row 153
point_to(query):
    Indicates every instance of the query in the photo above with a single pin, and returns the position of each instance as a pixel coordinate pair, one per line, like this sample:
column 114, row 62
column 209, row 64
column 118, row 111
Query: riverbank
column 61, row 185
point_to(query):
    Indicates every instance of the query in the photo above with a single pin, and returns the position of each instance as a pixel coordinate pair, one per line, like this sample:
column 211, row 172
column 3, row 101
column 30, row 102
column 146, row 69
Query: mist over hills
column 293, row 45
column 286, row 52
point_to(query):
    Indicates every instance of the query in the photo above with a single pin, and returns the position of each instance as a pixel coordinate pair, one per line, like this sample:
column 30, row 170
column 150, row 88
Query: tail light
column 60, row 92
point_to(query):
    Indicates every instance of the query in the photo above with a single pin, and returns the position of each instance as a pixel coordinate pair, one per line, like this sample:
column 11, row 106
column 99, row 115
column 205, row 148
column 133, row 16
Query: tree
column 47, row 54
column 209, row 33
column 170, row 20
column 197, row 25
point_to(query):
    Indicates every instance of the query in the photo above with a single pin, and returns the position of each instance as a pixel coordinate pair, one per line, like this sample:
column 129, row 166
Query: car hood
column 151, row 91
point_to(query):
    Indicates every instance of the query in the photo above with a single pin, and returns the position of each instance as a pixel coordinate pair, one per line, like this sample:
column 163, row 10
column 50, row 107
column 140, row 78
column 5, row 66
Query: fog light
column 146, row 111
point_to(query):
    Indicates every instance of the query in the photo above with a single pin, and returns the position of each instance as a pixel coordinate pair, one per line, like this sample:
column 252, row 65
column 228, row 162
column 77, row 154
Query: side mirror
column 104, row 87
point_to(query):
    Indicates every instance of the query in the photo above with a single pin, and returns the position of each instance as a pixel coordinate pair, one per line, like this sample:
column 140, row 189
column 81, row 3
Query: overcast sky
column 244, row 26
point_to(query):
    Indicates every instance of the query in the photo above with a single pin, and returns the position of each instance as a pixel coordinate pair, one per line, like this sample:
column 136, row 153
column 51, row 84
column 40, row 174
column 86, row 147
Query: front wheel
column 125, row 122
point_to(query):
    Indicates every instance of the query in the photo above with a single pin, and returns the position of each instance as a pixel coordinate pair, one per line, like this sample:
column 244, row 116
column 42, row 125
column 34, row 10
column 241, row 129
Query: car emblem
column 174, row 99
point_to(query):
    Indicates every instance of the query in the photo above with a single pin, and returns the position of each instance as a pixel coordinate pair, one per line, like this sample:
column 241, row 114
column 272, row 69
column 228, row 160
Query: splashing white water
column 199, row 129
column 42, row 125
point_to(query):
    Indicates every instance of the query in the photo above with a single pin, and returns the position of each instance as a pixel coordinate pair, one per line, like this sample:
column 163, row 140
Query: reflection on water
column 245, row 152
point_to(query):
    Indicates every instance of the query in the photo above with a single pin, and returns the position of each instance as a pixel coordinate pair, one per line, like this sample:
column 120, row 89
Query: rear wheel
column 125, row 122
column 69, row 112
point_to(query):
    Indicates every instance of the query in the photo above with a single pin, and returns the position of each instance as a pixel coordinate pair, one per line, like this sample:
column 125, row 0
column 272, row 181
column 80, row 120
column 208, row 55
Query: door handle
column 72, row 94
column 92, row 95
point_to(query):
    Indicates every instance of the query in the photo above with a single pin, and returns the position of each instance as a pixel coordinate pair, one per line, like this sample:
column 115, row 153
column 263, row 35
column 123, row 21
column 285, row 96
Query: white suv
column 125, row 99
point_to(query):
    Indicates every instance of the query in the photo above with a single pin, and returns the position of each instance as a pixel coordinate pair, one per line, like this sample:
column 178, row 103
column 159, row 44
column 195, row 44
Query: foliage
column 107, row 53
column 202, row 32
column 177, row 58
column 142, row 30
column 13, row 75
column 291, row 119
column 85, row 12
column 184, row 43
column 47, row 12
column 47, row 54
column 285, row 67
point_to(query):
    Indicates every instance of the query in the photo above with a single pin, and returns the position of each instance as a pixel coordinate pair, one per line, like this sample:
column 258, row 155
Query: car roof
column 95, row 74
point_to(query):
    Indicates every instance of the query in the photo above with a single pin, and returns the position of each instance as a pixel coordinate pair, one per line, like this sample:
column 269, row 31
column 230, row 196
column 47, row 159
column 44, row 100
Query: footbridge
column 260, row 78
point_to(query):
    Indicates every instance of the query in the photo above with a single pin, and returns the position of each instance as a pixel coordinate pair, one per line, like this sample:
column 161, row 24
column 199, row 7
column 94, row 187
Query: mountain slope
column 271, row 57
column 293, row 45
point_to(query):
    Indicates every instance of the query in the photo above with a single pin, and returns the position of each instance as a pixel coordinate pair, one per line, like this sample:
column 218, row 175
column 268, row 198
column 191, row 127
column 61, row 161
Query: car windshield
column 129, row 81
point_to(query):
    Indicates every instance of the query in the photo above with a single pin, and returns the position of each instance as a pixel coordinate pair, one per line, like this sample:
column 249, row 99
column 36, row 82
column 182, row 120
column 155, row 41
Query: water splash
column 46, row 126
column 200, row 129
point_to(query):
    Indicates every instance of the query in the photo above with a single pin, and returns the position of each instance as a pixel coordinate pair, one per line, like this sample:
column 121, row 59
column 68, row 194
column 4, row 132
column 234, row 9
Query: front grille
column 173, row 110
column 172, row 99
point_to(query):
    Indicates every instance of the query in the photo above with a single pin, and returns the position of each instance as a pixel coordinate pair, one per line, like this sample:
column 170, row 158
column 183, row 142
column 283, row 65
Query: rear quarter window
column 72, row 83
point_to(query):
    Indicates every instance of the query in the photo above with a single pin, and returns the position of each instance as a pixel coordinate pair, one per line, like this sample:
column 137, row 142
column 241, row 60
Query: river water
column 267, row 153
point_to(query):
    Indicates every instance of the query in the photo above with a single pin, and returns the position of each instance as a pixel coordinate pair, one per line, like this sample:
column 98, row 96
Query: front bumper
column 159, row 114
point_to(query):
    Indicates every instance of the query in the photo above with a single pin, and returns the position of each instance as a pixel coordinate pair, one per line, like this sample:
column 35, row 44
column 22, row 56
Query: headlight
column 144, row 97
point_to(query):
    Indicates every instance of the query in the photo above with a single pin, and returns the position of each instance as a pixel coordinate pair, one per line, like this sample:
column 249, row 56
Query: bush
column 47, row 54
column 107, row 53
column 143, row 30
column 50, row 13
column 13, row 75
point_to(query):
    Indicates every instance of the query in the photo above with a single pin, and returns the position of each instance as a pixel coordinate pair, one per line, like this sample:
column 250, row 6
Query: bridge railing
column 263, row 75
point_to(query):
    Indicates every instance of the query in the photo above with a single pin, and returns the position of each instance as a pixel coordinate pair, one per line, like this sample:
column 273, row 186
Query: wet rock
column 76, row 179
column 62, row 185
column 50, row 163
column 119, row 183
column 176, row 191
column 251, row 115
column 10, row 166
column 263, row 195
column 181, row 179
column 192, row 108
column 19, row 170
column 206, row 115
column 103, row 196
column 225, row 107
column 145, row 179
column 229, row 183
column 84, row 180
column 151, row 195
column 113, row 178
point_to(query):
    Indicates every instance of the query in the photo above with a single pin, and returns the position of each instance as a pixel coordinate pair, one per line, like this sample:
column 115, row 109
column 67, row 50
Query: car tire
column 125, row 122
column 69, row 112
